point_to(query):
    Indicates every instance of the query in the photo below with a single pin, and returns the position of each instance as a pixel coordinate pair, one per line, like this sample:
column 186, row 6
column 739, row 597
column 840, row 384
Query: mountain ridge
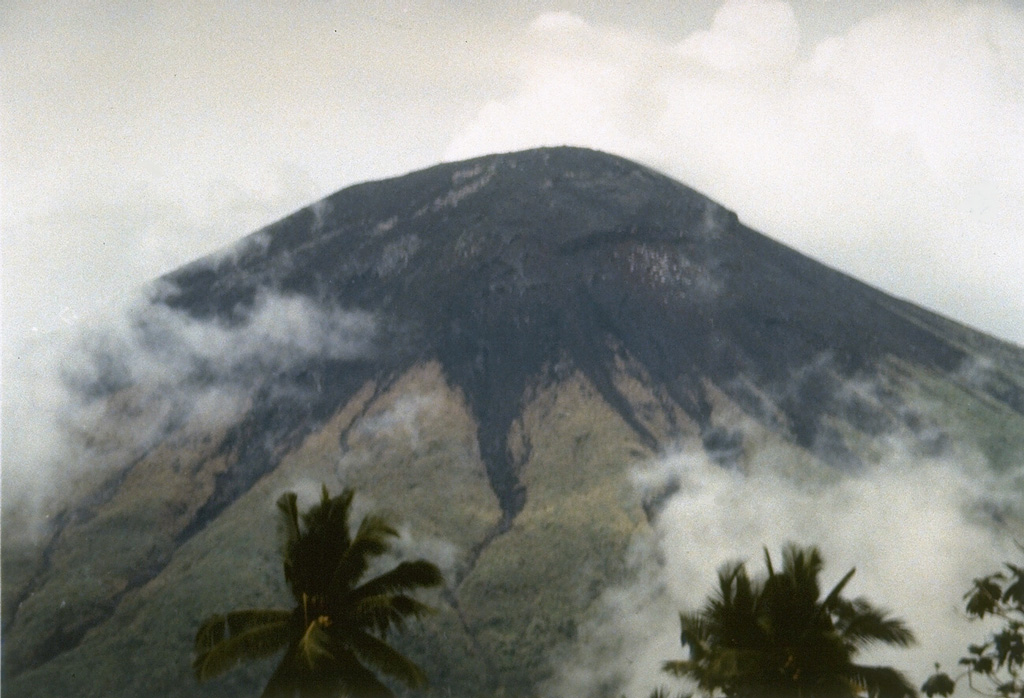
column 573, row 312
column 666, row 229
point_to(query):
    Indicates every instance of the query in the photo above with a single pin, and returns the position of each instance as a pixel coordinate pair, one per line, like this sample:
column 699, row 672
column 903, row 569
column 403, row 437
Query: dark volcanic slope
column 505, row 267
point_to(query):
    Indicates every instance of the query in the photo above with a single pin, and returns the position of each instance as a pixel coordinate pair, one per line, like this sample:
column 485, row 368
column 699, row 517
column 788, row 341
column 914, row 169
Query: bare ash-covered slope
column 544, row 320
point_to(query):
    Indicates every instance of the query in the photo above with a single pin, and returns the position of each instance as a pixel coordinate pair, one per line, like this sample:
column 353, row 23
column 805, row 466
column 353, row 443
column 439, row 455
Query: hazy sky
column 885, row 138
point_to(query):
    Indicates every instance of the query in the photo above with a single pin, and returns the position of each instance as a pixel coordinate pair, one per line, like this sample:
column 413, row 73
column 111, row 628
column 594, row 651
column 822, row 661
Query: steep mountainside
column 536, row 324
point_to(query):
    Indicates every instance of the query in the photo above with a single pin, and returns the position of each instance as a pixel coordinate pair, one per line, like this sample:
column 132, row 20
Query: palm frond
column 323, row 540
column 726, row 667
column 834, row 595
column 255, row 642
column 727, row 575
column 373, row 538
column 682, row 669
column 731, row 613
column 662, row 692
column 211, row 632
column 406, row 576
column 802, row 566
column 694, row 630
column 312, row 555
column 346, row 677
column 328, row 520
column 285, row 680
column 288, row 509
column 315, row 648
column 386, row 611
column 354, row 679
column 882, row 682
column 246, row 619
column 387, row 660
column 861, row 624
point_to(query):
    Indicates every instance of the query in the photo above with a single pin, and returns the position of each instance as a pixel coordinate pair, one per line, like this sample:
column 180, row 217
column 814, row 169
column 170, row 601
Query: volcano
column 500, row 343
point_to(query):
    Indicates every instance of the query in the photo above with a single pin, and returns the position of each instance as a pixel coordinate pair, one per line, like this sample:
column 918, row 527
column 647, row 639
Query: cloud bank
column 918, row 530
column 104, row 395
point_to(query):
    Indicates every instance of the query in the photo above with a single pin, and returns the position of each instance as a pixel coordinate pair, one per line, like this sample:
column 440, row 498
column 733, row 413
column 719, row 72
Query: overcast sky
column 885, row 137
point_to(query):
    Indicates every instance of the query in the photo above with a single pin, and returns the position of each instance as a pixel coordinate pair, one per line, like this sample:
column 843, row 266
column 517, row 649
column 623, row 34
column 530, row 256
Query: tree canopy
column 994, row 667
column 334, row 637
column 778, row 636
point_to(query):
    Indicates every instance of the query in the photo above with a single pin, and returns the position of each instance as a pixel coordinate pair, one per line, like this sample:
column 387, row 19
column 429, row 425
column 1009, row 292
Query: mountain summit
column 508, row 269
column 530, row 328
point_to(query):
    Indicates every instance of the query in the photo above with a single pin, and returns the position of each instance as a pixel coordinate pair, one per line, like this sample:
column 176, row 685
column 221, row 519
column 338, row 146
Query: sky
column 884, row 138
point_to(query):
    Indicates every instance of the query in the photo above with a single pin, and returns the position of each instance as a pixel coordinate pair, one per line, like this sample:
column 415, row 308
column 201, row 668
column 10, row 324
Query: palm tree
column 334, row 638
column 777, row 637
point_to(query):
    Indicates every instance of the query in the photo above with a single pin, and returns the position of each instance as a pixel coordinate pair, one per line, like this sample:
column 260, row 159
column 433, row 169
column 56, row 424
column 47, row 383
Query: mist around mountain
column 579, row 385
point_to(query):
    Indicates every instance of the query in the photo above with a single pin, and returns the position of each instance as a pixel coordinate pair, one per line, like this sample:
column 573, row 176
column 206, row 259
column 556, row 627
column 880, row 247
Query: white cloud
column 746, row 36
column 153, row 368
